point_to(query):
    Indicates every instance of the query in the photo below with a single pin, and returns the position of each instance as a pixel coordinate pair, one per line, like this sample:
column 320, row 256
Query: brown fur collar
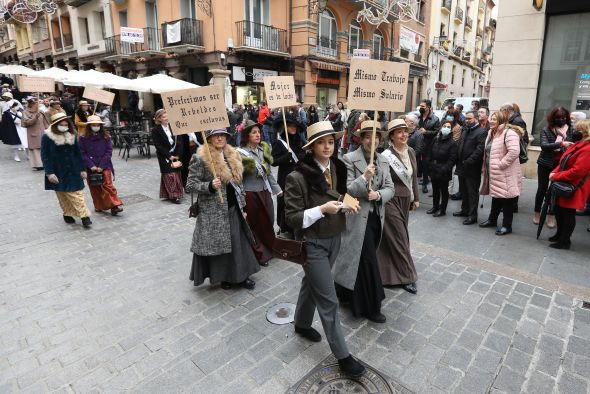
column 215, row 162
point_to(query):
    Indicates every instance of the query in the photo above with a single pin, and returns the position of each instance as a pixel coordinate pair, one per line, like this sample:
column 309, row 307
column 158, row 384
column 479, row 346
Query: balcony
column 327, row 47
column 457, row 51
column 480, row 64
column 491, row 24
column 60, row 44
column 256, row 37
column 468, row 23
column 182, row 36
column 458, row 15
column 7, row 46
column 446, row 6
column 466, row 56
column 150, row 47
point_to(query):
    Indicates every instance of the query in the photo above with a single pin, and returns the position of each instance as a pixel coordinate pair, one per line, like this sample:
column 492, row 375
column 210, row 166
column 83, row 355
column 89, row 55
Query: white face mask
column 445, row 131
column 95, row 128
column 63, row 129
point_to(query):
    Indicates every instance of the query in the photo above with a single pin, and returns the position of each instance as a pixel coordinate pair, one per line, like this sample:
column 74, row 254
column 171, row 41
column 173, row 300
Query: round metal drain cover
column 283, row 313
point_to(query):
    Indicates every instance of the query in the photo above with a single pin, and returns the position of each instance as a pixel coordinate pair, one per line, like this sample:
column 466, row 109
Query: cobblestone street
column 111, row 309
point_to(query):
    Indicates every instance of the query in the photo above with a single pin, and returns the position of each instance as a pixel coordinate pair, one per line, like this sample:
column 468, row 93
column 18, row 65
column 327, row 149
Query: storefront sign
column 198, row 109
column 581, row 96
column 130, row 34
column 378, row 85
column 438, row 85
column 247, row 74
column 361, row 53
column 280, row 91
column 36, row 84
column 102, row 96
column 408, row 40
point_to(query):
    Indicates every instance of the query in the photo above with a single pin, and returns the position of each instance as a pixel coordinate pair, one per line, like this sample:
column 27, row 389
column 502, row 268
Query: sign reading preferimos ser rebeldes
column 280, row 91
column 197, row 109
column 378, row 85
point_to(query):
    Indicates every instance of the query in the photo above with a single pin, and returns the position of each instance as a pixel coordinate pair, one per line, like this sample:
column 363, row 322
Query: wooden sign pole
column 95, row 106
column 212, row 168
column 373, row 135
column 286, row 132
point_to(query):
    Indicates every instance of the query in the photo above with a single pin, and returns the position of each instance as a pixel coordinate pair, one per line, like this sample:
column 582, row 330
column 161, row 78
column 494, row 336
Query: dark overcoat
column 61, row 156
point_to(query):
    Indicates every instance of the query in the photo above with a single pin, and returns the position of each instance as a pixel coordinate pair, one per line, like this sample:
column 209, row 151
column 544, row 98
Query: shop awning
column 328, row 66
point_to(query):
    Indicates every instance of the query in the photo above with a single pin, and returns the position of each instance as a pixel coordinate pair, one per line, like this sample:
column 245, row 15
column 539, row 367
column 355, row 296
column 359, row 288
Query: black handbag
column 566, row 189
column 95, row 179
column 193, row 210
column 290, row 250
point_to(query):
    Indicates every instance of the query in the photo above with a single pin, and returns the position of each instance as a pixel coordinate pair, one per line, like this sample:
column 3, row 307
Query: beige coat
column 36, row 123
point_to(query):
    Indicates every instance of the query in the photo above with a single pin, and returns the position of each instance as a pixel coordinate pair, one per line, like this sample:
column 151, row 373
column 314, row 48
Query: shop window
column 355, row 37
column 378, row 45
column 327, row 35
column 453, row 75
column 84, row 34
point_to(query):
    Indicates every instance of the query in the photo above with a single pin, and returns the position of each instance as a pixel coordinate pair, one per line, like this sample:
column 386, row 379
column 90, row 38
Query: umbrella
column 16, row 70
column 58, row 74
column 548, row 207
column 159, row 83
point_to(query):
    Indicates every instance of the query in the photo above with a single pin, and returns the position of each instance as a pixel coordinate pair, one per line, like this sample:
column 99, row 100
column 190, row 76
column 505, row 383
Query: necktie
column 328, row 178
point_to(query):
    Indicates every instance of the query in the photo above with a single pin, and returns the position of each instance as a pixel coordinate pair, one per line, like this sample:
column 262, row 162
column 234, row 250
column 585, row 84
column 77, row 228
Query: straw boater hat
column 211, row 133
column 7, row 94
column 32, row 99
column 367, row 126
column 319, row 130
column 58, row 117
column 83, row 102
column 396, row 124
column 94, row 119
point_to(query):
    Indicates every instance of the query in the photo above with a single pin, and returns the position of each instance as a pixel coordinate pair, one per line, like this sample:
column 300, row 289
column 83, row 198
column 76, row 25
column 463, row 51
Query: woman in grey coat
column 356, row 271
column 222, row 242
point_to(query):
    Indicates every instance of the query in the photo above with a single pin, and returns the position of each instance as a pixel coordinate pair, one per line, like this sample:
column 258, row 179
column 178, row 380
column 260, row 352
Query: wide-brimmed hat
column 396, row 124
column 279, row 126
column 94, row 119
column 58, row 117
column 32, row 99
column 53, row 102
column 159, row 113
column 319, row 130
column 250, row 124
column 211, row 133
column 367, row 126
column 83, row 102
column 7, row 94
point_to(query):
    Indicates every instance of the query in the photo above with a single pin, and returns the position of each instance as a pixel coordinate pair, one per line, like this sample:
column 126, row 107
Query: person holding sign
column 259, row 183
column 356, row 271
column 222, row 241
column 82, row 114
column 169, row 150
column 313, row 209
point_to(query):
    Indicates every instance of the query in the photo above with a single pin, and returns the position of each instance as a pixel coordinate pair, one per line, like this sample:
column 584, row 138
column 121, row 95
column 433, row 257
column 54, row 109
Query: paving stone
column 488, row 360
column 388, row 338
column 413, row 342
column 476, row 381
column 498, row 342
column 530, row 328
column 540, row 290
column 524, row 289
column 579, row 346
column 495, row 298
column 480, row 287
column 442, row 338
column 488, row 310
column 572, row 385
column 487, row 277
column 541, row 300
column 563, row 300
column 582, row 365
column 536, row 314
column 512, row 312
column 446, row 378
column 539, row 383
column 469, row 339
column 518, row 360
column 505, row 326
column 457, row 357
column 509, row 380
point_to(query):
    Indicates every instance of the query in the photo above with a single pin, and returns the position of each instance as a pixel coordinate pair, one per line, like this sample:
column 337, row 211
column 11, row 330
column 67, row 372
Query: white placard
column 131, row 34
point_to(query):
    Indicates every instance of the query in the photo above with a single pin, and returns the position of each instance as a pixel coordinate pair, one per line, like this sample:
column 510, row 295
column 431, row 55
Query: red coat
column 576, row 168
column 263, row 113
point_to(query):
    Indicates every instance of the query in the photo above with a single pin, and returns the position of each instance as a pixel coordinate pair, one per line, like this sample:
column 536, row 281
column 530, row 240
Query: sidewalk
column 112, row 309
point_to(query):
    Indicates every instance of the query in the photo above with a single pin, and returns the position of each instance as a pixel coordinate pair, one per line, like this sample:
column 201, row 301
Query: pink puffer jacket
column 503, row 179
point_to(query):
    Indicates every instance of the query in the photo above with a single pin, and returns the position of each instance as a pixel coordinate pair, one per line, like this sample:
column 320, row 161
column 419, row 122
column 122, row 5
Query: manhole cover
column 135, row 199
column 326, row 378
column 281, row 313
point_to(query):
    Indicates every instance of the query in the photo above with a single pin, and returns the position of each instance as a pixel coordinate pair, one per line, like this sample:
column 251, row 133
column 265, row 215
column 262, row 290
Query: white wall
column 91, row 11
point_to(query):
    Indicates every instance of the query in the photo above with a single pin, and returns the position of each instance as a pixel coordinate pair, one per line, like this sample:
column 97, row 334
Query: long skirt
column 260, row 216
column 394, row 256
column 35, row 158
column 73, row 204
column 234, row 267
column 365, row 299
column 171, row 186
column 105, row 196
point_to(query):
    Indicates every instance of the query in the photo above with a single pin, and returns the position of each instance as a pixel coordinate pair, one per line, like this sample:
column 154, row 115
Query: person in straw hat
column 97, row 150
column 356, row 271
column 169, row 149
column 259, row 185
column 314, row 211
column 81, row 116
column 394, row 256
column 222, row 241
column 54, row 108
column 65, row 169
column 36, row 123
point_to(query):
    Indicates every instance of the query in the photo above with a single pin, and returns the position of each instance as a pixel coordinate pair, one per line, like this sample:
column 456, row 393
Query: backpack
column 523, row 155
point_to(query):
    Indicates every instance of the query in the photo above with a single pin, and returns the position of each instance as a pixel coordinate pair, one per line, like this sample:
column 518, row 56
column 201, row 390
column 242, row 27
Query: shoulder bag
column 523, row 155
column 566, row 189
column 193, row 210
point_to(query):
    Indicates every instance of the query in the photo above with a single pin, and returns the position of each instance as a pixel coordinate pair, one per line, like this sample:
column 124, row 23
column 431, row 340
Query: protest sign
column 36, row 84
column 280, row 91
column 99, row 95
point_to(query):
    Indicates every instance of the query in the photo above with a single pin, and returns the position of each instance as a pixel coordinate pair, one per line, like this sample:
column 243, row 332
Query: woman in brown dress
column 394, row 256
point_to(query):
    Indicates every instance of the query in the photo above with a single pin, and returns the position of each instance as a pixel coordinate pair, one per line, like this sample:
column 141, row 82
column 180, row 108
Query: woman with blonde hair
column 502, row 177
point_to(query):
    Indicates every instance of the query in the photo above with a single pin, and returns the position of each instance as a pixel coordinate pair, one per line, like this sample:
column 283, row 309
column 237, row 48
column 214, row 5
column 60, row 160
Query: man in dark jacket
column 469, row 164
column 428, row 125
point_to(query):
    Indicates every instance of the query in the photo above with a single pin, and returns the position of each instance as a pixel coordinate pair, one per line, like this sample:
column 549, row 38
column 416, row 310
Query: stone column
column 218, row 78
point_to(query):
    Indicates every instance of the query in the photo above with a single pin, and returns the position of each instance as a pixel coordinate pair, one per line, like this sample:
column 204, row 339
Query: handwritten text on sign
column 198, row 109
column 102, row 96
column 280, row 91
column 36, row 84
column 378, row 85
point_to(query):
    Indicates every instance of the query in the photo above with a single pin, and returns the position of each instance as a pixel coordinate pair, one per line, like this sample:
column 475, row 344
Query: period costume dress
column 394, row 255
column 36, row 124
column 81, row 117
column 10, row 135
column 168, row 145
column 222, row 241
column 260, row 185
column 356, row 271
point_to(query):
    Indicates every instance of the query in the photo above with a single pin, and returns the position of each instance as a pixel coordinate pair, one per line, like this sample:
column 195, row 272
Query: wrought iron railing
column 468, row 22
column 184, row 31
column 448, row 4
column 327, row 47
column 151, row 42
column 257, row 36
column 459, row 14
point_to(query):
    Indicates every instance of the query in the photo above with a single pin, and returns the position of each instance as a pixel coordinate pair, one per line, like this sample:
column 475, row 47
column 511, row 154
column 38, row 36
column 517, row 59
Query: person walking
column 169, row 149
column 262, row 117
column 64, row 169
column 502, row 177
column 356, row 270
column 96, row 147
column 286, row 160
column 469, row 164
column 428, row 125
column 9, row 133
column 415, row 139
column 259, row 186
column 443, row 156
column 81, row 117
column 36, row 123
column 313, row 210
column 394, row 256
column 555, row 139
column 222, row 241
column 573, row 168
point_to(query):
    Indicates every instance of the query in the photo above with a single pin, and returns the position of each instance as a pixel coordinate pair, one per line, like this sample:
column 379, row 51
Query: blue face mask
column 445, row 131
column 450, row 118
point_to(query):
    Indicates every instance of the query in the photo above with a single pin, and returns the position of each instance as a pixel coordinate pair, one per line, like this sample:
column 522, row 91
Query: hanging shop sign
column 249, row 74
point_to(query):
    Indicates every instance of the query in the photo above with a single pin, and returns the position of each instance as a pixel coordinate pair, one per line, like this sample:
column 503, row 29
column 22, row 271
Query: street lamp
column 316, row 7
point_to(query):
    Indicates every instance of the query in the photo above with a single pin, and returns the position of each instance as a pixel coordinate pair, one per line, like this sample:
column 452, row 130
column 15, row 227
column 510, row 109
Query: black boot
column 489, row 223
column 440, row 213
column 86, row 222
column 69, row 219
column 351, row 367
column 309, row 333
column 432, row 210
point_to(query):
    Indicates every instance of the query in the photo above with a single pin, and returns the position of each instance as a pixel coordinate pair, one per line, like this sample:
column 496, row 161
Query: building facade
column 542, row 59
column 462, row 36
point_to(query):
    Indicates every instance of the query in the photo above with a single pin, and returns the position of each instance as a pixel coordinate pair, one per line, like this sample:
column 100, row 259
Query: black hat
column 278, row 124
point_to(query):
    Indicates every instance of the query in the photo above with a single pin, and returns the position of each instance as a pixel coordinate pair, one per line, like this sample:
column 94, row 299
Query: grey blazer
column 346, row 266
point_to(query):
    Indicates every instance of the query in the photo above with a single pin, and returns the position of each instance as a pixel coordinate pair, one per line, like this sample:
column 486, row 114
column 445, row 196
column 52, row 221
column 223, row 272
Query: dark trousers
column 469, row 189
column 424, row 167
column 506, row 205
column 566, row 223
column 440, row 194
column 543, row 184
